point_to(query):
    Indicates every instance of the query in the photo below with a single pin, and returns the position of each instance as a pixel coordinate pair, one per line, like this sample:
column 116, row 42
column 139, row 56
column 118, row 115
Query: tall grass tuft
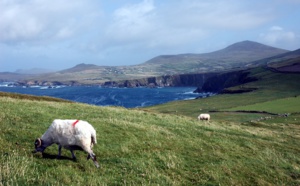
column 16, row 169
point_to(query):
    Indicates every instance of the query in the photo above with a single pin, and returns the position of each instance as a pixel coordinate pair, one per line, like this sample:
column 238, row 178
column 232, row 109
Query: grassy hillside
column 237, row 55
column 269, row 87
column 142, row 148
column 278, row 106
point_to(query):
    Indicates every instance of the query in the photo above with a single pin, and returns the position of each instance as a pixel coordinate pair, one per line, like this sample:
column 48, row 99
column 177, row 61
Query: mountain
column 236, row 56
column 233, row 56
column 11, row 76
column 33, row 71
column 249, row 46
column 80, row 67
column 287, row 62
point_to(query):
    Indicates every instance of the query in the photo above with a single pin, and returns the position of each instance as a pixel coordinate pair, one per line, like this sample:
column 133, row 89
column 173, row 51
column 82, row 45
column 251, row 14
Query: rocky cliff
column 164, row 81
column 206, row 82
column 219, row 82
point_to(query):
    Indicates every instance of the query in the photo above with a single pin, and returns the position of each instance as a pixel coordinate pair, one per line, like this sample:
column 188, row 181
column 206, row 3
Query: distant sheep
column 204, row 117
column 70, row 134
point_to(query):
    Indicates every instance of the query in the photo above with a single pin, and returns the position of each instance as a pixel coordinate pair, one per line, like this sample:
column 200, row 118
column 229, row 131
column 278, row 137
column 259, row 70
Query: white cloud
column 95, row 31
column 276, row 28
column 132, row 22
column 278, row 36
column 142, row 23
column 230, row 14
column 179, row 22
column 41, row 20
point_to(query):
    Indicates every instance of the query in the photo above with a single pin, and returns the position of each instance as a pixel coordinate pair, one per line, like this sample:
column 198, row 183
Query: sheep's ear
column 38, row 142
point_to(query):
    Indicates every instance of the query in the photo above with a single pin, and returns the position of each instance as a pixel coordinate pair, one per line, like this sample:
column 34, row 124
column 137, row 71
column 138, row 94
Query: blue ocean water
column 125, row 97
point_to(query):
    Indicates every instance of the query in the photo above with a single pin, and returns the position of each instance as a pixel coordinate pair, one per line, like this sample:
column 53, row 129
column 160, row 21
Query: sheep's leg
column 87, row 148
column 73, row 155
column 59, row 151
column 93, row 156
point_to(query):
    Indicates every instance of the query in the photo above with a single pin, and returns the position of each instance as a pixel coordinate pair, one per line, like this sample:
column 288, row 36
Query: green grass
column 270, row 86
column 279, row 106
column 30, row 97
column 163, row 144
column 143, row 148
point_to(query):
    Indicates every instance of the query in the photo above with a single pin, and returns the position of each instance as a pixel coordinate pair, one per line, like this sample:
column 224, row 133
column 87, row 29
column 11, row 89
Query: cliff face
column 206, row 82
column 164, row 81
column 224, row 80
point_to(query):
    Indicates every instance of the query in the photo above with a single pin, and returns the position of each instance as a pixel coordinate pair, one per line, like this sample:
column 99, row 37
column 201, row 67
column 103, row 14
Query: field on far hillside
column 278, row 106
column 143, row 148
column 277, row 93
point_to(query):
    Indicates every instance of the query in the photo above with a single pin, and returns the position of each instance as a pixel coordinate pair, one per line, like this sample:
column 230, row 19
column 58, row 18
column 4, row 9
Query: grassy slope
column 141, row 148
column 271, row 86
column 279, row 106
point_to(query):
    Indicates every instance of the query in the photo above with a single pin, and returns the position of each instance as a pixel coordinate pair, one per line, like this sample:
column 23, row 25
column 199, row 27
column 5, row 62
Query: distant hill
column 291, row 65
column 239, row 55
column 10, row 76
column 81, row 67
column 288, row 62
column 33, row 71
column 22, row 74
column 236, row 55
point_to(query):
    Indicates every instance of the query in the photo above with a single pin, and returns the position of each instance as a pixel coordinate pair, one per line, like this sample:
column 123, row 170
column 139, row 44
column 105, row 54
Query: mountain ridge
column 79, row 67
column 236, row 56
column 247, row 45
column 247, row 48
column 33, row 71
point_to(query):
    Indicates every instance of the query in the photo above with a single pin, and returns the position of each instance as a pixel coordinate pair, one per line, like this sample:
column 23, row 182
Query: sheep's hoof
column 58, row 157
column 75, row 159
column 88, row 157
column 97, row 164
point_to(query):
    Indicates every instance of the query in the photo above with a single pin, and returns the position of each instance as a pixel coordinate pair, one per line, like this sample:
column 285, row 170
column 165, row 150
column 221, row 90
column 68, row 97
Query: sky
column 60, row 34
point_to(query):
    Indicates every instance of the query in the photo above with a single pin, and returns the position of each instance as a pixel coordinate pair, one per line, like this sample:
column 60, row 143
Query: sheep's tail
column 93, row 138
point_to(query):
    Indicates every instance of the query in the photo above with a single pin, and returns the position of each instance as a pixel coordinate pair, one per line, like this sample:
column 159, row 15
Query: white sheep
column 204, row 117
column 70, row 134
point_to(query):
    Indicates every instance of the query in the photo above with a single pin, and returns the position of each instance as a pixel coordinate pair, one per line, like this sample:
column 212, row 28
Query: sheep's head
column 38, row 145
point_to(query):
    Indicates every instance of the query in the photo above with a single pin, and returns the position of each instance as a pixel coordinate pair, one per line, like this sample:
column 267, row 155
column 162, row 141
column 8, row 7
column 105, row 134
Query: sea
column 103, row 96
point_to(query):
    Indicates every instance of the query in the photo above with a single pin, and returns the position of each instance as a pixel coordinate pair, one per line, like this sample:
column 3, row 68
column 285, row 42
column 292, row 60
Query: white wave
column 190, row 92
column 145, row 103
column 35, row 86
column 7, row 84
column 190, row 98
column 52, row 87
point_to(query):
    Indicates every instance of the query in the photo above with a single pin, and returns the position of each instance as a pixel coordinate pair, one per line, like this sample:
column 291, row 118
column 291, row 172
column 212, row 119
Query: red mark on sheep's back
column 75, row 123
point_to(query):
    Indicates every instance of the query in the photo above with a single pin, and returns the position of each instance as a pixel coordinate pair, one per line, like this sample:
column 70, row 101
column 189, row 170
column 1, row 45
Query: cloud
column 41, row 20
column 275, row 29
column 155, row 24
column 276, row 35
column 94, row 31
column 132, row 22
column 230, row 14
column 146, row 23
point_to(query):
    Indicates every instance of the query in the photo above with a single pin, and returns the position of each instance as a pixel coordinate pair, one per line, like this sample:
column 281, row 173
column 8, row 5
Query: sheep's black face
column 39, row 147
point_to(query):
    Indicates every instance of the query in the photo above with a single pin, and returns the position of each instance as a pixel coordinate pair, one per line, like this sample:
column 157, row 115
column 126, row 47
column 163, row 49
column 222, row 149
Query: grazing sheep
column 70, row 134
column 204, row 117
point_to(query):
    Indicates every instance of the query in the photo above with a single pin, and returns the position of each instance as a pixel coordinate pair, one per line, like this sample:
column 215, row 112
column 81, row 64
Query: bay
column 124, row 97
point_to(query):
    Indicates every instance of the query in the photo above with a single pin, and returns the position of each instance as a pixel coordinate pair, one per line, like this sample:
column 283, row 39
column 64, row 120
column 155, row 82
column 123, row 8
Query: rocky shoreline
column 205, row 82
column 160, row 81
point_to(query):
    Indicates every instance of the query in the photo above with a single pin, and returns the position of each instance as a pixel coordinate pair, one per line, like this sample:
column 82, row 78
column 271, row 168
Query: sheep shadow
column 52, row 157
